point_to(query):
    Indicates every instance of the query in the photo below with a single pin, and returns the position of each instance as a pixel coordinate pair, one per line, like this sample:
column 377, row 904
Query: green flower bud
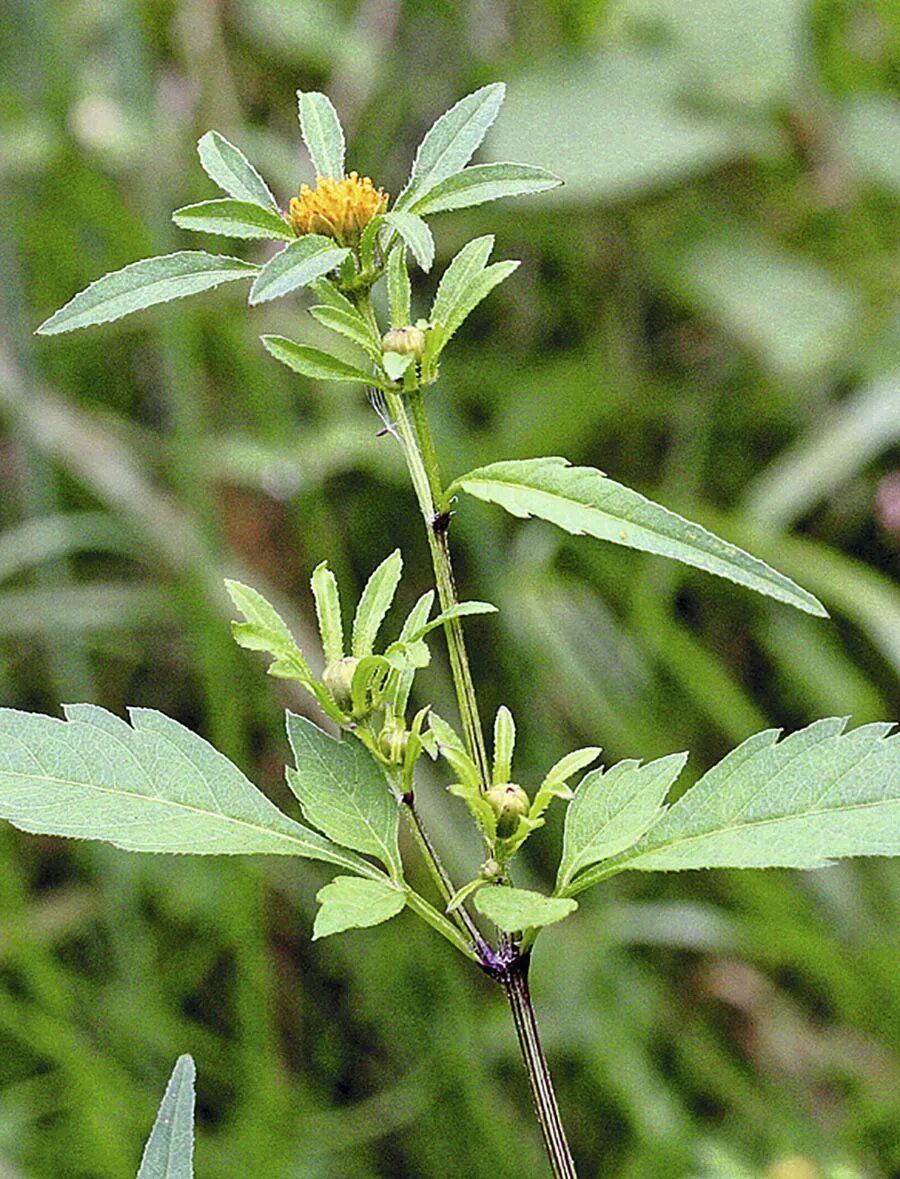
column 404, row 340
column 338, row 679
column 510, row 803
column 392, row 741
column 490, row 869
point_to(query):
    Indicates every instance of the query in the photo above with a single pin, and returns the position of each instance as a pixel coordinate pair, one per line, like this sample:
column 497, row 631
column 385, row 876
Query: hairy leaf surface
column 322, row 133
column 297, row 265
column 232, row 218
column 482, row 183
column 232, row 171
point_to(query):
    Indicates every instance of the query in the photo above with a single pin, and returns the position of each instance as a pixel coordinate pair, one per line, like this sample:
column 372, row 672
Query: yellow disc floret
column 337, row 208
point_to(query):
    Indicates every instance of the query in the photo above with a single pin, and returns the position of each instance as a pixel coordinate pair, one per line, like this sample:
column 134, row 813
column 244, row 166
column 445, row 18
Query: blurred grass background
column 708, row 312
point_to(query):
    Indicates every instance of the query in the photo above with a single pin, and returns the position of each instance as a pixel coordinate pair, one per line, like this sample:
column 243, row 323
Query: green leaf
column 232, row 218
column 374, row 604
column 583, row 501
column 482, row 183
column 297, row 265
column 343, row 792
column 612, row 809
column 344, row 905
column 152, row 786
column 463, row 269
column 416, row 234
column 144, row 284
column 451, row 142
column 350, row 325
column 514, row 909
column 322, row 133
column 818, row 795
column 328, row 611
column 395, row 364
column 314, row 363
column 470, row 296
column 459, row 610
column 504, row 744
column 325, row 290
column 555, row 781
column 399, row 289
column 265, row 630
column 400, row 680
column 169, row 1153
column 233, row 172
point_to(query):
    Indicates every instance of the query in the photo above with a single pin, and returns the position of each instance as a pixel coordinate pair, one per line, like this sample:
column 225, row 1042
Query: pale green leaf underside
column 612, row 809
column 314, row 363
column 144, row 284
column 322, row 133
column 169, row 1153
column 297, row 265
column 583, row 501
column 513, row 909
column 343, row 792
column 818, row 795
column 232, row 218
column 415, row 234
column 151, row 786
column 347, row 902
column 232, row 171
column 482, row 183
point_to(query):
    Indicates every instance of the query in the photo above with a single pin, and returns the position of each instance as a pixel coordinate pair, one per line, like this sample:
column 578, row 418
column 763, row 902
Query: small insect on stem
column 440, row 522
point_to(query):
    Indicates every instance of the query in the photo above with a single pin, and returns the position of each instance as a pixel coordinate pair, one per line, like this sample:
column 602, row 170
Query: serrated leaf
column 374, row 603
column 400, row 680
column 152, row 786
column 314, row 363
column 144, row 284
column 343, row 792
column 464, row 267
column 350, row 325
column 169, row 1153
column 818, row 795
column 415, row 234
column 504, row 745
column 297, row 265
column 265, row 630
column 325, row 290
column 515, row 909
column 482, row 183
column 473, row 294
column 344, row 905
column 399, row 289
column 452, row 140
column 583, row 501
column 328, row 611
column 322, row 133
column 231, row 218
column 612, row 809
column 232, row 171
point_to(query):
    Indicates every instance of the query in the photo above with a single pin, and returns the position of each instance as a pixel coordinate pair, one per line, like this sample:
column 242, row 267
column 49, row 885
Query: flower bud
column 510, row 803
column 404, row 340
column 338, row 679
column 392, row 741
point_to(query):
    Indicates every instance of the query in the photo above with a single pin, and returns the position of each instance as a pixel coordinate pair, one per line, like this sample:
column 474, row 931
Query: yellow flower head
column 337, row 208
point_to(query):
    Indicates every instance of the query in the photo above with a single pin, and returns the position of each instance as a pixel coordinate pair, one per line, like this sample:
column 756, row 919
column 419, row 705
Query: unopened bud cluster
column 407, row 341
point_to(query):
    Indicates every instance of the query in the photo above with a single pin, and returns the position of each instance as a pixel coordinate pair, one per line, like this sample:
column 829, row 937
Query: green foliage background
column 705, row 312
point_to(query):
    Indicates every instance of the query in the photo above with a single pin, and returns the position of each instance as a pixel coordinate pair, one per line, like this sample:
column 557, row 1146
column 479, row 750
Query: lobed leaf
column 265, row 630
column 482, row 183
column 297, row 265
column 515, row 909
column 233, row 172
column 415, row 234
column 344, row 905
column 231, row 218
column 328, row 611
column 322, row 133
column 144, row 284
column 314, row 363
column 583, row 501
column 169, row 1153
column 374, row 603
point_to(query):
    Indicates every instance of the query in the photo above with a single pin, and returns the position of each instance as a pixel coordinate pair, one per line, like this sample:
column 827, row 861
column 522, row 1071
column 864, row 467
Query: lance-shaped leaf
column 400, row 680
column 322, row 133
column 314, row 363
column 350, row 325
column 612, row 809
column 554, row 783
column 297, row 265
column 169, row 1153
column 328, row 611
column 458, row 277
column 232, row 171
column 818, row 795
column 415, row 233
column 452, row 141
column 482, row 183
column 504, row 744
column 152, row 786
column 144, row 284
column 583, row 501
column 458, row 610
column 343, row 792
column 344, row 905
column 399, row 289
column 263, row 629
column 234, row 219
column 514, row 909
column 374, row 603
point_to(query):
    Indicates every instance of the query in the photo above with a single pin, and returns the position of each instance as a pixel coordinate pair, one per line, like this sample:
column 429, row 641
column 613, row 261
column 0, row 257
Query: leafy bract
column 415, row 234
column 265, row 630
column 314, row 363
column 343, row 792
column 297, row 265
column 612, row 809
column 399, row 289
column 482, row 183
column 232, row 171
column 169, row 1153
column 322, row 133
column 144, row 284
column 328, row 611
column 818, row 795
column 151, row 786
column 504, row 744
column 346, row 905
column 514, row 909
column 583, row 501
column 374, row 603
column 232, row 218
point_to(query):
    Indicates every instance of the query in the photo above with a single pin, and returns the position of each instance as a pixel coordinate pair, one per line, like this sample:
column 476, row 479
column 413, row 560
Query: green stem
column 440, row 923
